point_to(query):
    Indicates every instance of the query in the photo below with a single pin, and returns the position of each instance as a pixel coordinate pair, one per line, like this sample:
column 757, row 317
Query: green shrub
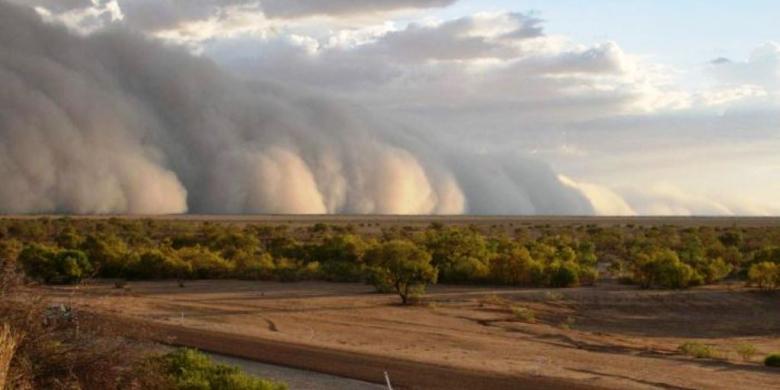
column 460, row 254
column 468, row 269
column 191, row 370
column 697, row 350
column 205, row 263
column 156, row 264
column 310, row 271
column 254, row 267
column 766, row 275
column 38, row 262
column 109, row 254
column 341, row 271
column 524, row 314
column 716, row 270
column 746, row 351
column 588, row 275
column 287, row 270
column 564, row 274
column 291, row 270
column 664, row 269
column 772, row 360
column 512, row 268
column 52, row 265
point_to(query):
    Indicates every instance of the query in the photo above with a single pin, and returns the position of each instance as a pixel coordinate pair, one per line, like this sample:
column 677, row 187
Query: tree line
column 403, row 259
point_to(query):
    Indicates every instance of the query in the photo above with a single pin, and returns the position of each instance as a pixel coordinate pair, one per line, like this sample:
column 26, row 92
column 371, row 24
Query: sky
column 680, row 33
column 397, row 107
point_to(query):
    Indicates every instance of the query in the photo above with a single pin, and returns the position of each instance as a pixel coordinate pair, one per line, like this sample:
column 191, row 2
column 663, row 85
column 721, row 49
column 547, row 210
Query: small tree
column 402, row 265
column 563, row 274
column 512, row 268
column 765, row 274
column 663, row 268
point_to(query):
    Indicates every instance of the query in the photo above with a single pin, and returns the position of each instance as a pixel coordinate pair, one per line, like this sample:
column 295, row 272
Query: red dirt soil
column 609, row 336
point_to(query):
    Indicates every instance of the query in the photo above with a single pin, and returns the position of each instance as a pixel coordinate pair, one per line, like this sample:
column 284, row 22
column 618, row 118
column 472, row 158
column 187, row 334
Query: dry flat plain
column 609, row 336
column 377, row 222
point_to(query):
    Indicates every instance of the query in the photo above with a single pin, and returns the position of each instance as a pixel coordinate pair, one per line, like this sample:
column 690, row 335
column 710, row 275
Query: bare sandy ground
column 604, row 337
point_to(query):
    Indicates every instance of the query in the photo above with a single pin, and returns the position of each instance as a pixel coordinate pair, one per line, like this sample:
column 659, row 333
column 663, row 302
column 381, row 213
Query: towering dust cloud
column 114, row 122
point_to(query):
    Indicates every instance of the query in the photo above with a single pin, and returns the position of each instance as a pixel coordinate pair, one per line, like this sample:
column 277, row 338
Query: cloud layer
column 306, row 106
column 114, row 122
column 302, row 8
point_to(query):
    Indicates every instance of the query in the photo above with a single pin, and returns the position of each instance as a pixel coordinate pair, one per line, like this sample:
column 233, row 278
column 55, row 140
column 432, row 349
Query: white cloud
column 81, row 16
column 761, row 69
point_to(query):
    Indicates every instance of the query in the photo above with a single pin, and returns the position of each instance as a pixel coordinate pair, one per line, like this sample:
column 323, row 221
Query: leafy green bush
column 291, row 270
column 158, row 264
column 468, row 270
column 564, row 274
column 588, row 275
column 715, row 270
column 766, row 275
column 52, row 265
column 513, row 268
column 460, row 254
column 773, row 360
column 205, row 263
column 189, row 369
column 254, row 267
column 109, row 254
column 664, row 269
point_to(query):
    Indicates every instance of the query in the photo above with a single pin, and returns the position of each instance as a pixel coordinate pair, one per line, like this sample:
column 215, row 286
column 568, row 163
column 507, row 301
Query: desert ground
column 608, row 336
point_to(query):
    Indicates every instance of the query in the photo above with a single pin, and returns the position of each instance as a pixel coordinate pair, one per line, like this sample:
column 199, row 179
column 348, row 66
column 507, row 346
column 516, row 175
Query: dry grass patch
column 746, row 351
column 524, row 314
column 697, row 350
column 8, row 342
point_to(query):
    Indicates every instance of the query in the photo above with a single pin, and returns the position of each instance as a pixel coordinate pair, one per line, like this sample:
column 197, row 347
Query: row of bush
column 699, row 350
column 65, row 250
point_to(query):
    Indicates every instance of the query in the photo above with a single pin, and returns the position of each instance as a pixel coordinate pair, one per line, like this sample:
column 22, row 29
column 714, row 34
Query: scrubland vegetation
column 53, row 346
column 191, row 370
column 56, row 347
column 403, row 260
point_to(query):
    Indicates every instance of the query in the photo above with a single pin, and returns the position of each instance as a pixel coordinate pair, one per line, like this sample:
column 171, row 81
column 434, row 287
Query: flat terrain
column 609, row 336
column 385, row 221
